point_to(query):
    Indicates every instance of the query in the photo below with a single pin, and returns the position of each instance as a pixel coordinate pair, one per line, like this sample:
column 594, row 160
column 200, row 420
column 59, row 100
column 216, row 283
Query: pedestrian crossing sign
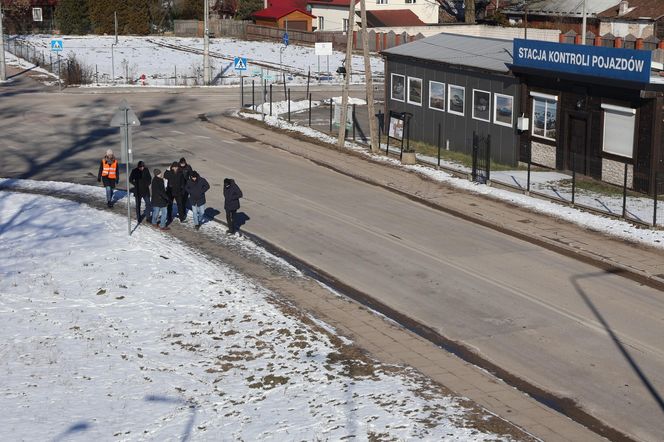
column 56, row 45
column 240, row 63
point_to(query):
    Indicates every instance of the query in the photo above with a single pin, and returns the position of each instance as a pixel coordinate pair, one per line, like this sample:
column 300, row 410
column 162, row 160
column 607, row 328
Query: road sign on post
column 56, row 45
column 240, row 63
column 285, row 39
column 125, row 118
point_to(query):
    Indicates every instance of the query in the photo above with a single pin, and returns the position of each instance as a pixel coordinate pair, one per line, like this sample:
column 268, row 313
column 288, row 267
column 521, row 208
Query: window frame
column 496, row 95
column 392, row 87
column 449, row 97
column 625, row 110
column 414, row 103
column 444, row 96
column 546, row 98
column 488, row 120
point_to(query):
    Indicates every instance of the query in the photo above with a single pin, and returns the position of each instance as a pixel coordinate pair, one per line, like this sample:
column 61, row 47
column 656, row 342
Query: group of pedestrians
column 180, row 184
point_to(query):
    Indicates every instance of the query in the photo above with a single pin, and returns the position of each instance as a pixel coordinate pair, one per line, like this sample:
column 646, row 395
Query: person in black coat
column 232, row 195
column 175, row 189
column 196, row 188
column 160, row 200
column 141, row 179
column 186, row 172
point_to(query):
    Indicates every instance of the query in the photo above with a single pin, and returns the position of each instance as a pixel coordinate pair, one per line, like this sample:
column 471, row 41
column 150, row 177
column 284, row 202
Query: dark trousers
column 182, row 210
column 148, row 208
column 230, row 220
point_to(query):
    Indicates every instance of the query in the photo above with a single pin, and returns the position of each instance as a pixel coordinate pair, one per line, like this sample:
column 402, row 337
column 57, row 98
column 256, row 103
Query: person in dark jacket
column 141, row 179
column 109, row 174
column 160, row 200
column 196, row 188
column 186, row 172
column 232, row 195
column 175, row 189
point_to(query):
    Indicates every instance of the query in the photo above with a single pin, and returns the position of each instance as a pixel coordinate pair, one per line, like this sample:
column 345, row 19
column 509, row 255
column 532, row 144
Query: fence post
column 288, row 98
column 270, row 99
column 488, row 159
column 654, row 212
column 573, row 177
column 309, row 110
column 353, row 122
column 285, row 92
column 253, row 97
column 175, row 78
column 624, row 211
column 438, row 165
column 331, row 109
column 474, row 159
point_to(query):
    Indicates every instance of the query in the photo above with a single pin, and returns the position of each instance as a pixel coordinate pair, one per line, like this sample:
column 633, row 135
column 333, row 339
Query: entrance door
column 577, row 144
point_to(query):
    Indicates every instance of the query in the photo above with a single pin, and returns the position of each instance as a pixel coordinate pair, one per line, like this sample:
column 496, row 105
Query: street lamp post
column 206, row 44
column 3, row 72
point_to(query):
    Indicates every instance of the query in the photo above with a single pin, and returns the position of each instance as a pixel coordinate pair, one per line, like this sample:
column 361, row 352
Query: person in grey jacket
column 196, row 188
column 232, row 195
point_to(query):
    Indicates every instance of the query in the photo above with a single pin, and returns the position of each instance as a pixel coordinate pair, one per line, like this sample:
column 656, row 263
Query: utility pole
column 115, row 17
column 373, row 130
column 583, row 24
column 3, row 72
column 206, row 45
column 348, row 66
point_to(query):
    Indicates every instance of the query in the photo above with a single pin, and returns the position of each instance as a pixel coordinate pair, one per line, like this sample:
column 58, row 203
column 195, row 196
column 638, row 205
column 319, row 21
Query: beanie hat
column 140, row 163
column 175, row 164
column 182, row 160
column 194, row 174
column 157, row 172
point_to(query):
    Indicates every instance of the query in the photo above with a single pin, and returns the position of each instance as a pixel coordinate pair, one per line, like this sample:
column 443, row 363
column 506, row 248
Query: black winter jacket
column 196, row 190
column 186, row 172
column 232, row 195
column 159, row 196
column 175, row 182
column 141, row 180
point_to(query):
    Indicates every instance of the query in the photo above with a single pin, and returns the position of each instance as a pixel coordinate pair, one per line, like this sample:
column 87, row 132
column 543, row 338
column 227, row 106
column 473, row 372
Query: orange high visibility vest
column 109, row 170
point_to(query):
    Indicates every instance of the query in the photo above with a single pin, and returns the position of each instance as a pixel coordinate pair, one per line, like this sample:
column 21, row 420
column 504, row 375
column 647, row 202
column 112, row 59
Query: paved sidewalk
column 635, row 261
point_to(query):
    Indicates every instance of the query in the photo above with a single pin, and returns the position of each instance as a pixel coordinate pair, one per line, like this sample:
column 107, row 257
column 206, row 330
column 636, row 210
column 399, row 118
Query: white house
column 332, row 15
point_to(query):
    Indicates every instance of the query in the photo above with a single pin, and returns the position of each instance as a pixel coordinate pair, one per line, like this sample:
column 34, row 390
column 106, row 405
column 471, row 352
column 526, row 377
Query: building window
column 456, row 99
column 619, row 124
column 37, row 14
column 381, row 2
column 411, row 1
column 437, row 95
column 398, row 87
column 545, row 115
column 345, row 25
column 481, row 105
column 503, row 109
column 415, row 91
column 321, row 23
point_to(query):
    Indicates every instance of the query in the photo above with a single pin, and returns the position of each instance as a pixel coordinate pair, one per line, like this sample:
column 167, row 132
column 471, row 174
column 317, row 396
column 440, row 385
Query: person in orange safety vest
column 109, row 175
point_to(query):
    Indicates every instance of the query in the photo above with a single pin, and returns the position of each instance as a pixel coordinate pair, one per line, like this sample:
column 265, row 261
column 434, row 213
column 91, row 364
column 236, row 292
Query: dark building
column 596, row 110
column 457, row 84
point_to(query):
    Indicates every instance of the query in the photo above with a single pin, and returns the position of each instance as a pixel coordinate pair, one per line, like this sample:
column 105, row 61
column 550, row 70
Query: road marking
column 178, row 132
column 202, row 136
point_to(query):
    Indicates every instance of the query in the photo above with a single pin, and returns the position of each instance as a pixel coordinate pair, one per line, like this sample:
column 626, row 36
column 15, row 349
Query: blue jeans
column 159, row 213
column 197, row 213
column 109, row 194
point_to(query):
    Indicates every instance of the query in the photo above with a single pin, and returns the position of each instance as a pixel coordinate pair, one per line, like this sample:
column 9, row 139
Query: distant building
column 640, row 18
column 285, row 14
column 38, row 16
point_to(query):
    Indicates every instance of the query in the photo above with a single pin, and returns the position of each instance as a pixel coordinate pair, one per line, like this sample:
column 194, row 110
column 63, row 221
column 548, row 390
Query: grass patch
column 451, row 156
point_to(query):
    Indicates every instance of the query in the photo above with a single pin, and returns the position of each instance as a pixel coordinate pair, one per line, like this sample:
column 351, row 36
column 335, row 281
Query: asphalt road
column 558, row 323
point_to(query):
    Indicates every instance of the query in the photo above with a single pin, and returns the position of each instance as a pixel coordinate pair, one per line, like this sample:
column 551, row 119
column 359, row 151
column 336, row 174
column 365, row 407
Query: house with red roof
column 332, row 15
column 640, row 18
column 285, row 14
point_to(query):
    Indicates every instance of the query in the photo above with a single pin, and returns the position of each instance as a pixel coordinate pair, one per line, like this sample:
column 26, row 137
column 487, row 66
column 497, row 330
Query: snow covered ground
column 161, row 63
column 141, row 338
column 639, row 207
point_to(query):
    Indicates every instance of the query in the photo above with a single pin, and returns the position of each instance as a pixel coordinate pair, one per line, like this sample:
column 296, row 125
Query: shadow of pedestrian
column 210, row 213
column 241, row 219
column 76, row 428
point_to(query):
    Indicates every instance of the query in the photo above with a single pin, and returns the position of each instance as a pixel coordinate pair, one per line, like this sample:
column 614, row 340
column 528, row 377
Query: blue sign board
column 594, row 61
column 240, row 63
column 285, row 39
column 57, row 46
